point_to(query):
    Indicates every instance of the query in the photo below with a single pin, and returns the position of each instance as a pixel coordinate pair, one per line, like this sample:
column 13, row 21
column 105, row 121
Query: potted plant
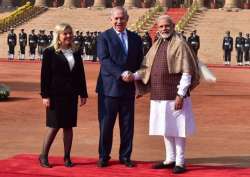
column 4, row 92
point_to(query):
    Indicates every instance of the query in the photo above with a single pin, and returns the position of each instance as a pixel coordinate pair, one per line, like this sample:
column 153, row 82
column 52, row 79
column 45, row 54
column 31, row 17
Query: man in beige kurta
column 169, row 71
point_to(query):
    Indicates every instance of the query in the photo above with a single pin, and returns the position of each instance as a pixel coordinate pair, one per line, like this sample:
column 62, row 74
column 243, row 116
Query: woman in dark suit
column 62, row 82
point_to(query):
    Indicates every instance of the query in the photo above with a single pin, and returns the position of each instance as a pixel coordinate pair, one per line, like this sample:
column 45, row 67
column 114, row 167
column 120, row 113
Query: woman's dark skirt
column 62, row 112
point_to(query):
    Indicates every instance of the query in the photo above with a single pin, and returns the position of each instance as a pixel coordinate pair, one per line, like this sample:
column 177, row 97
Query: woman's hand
column 46, row 102
column 83, row 101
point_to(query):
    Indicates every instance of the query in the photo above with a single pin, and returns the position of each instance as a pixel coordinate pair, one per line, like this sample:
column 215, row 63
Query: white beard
column 165, row 35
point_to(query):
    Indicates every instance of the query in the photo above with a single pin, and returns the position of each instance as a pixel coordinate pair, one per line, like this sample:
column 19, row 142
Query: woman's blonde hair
column 61, row 27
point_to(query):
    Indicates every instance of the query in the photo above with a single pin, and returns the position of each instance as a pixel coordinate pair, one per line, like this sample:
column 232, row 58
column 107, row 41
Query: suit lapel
column 75, row 58
column 130, row 42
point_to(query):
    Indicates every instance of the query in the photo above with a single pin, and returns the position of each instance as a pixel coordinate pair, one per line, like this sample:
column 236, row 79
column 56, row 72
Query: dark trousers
column 32, row 50
column 195, row 49
column 11, row 49
column 41, row 49
column 22, row 49
column 108, row 108
column 94, row 57
column 246, row 56
column 239, row 56
column 227, row 55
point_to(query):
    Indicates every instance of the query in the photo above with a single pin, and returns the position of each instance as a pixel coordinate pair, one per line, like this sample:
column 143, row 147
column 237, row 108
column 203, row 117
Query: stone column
column 83, row 4
column 69, row 4
column 6, row 3
column 200, row 3
column 129, row 3
column 41, row 3
column 99, row 3
column 230, row 4
column 163, row 3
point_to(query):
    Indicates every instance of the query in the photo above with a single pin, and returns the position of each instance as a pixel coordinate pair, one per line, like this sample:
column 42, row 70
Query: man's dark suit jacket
column 56, row 77
column 114, row 62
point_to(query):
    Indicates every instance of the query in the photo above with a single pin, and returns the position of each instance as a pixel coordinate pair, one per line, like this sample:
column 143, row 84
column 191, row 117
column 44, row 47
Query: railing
column 19, row 16
column 187, row 17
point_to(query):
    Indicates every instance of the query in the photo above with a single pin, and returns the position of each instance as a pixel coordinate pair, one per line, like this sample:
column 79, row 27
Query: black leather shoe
column 179, row 169
column 68, row 163
column 102, row 163
column 127, row 163
column 44, row 162
column 161, row 165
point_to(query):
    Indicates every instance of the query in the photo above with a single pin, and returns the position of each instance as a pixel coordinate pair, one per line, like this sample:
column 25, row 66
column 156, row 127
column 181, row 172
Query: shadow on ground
column 22, row 86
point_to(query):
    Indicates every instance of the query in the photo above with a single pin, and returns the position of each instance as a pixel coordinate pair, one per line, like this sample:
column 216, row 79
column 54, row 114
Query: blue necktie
column 122, row 35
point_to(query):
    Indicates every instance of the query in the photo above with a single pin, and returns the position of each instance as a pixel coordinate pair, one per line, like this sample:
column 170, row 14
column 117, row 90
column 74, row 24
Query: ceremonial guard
column 32, row 44
column 183, row 35
column 194, row 42
column 247, row 49
column 239, row 46
column 227, row 46
column 87, row 45
column 50, row 37
column 42, row 43
column 146, row 43
column 82, row 44
column 11, row 40
column 77, row 40
column 93, row 46
column 22, row 44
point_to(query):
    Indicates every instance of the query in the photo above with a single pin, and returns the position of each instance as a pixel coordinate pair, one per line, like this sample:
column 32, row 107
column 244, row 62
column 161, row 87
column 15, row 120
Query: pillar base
column 231, row 9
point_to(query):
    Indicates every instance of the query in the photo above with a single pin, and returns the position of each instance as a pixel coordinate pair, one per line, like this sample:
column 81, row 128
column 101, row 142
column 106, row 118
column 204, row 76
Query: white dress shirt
column 126, row 44
column 125, row 37
column 68, row 53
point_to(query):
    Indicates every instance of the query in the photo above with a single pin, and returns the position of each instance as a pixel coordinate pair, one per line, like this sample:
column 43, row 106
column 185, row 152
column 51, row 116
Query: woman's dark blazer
column 56, row 77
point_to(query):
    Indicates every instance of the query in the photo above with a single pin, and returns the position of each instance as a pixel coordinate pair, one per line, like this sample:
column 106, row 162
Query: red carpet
column 27, row 166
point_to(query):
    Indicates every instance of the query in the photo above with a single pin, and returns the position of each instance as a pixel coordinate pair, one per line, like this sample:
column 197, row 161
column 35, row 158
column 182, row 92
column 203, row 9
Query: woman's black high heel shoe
column 44, row 162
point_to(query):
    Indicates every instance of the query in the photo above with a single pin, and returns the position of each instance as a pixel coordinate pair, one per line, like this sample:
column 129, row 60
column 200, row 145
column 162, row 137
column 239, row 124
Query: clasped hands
column 127, row 76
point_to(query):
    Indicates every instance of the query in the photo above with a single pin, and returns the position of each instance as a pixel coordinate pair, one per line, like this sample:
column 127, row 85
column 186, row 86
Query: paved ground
column 221, row 110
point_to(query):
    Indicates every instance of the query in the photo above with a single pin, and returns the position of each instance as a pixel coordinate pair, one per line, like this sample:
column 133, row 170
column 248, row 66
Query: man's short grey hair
column 165, row 17
column 125, row 12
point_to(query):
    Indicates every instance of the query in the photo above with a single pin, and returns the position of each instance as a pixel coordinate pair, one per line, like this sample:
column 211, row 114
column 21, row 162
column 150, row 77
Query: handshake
column 127, row 76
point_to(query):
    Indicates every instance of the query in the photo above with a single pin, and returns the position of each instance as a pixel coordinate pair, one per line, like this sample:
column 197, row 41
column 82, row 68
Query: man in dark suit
column 239, row 46
column 247, row 49
column 11, row 40
column 120, row 54
column 147, row 43
column 32, row 44
column 22, row 43
column 194, row 41
column 227, row 46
